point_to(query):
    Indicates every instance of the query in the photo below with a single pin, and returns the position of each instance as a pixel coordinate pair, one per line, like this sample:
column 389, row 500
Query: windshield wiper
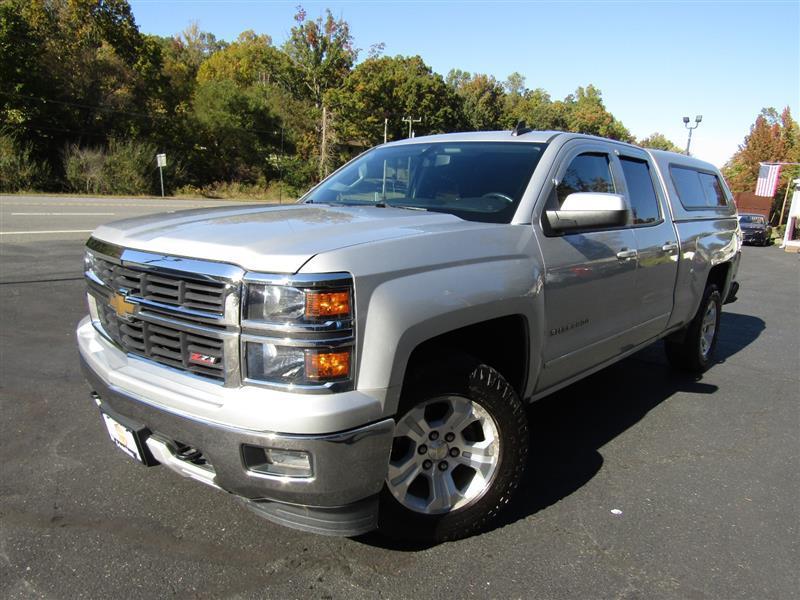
column 407, row 207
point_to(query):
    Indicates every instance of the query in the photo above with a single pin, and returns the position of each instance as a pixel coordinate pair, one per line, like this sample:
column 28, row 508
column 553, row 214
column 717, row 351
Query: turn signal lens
column 327, row 304
column 327, row 365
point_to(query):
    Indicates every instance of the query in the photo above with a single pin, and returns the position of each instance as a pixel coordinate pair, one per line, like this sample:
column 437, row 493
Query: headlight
column 288, row 365
column 279, row 304
column 299, row 333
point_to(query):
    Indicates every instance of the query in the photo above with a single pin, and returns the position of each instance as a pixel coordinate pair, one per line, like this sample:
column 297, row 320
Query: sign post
column 161, row 161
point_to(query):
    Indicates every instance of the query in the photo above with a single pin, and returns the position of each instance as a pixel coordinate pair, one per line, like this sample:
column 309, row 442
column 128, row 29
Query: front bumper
column 339, row 498
column 754, row 237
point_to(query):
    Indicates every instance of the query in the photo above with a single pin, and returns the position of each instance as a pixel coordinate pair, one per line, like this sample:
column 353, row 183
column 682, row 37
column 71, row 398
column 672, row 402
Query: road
column 33, row 218
column 643, row 483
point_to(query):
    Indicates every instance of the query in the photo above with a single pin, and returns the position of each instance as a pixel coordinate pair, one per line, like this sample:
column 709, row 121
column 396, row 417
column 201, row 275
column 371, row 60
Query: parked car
column 755, row 229
column 362, row 359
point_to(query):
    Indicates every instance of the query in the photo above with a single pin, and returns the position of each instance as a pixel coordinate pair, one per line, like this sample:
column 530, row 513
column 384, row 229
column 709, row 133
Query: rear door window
column 642, row 193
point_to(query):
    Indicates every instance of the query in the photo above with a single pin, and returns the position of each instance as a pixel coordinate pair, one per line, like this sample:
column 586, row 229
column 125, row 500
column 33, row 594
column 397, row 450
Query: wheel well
column 719, row 276
column 501, row 343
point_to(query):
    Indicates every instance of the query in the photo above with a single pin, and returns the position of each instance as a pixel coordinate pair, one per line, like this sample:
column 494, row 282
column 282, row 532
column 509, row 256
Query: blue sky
column 654, row 61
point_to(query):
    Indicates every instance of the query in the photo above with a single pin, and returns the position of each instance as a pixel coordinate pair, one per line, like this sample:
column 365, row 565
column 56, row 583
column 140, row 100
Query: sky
column 654, row 61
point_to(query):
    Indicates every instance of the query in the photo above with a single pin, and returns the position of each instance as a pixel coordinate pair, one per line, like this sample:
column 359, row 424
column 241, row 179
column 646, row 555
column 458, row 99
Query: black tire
column 484, row 386
column 685, row 349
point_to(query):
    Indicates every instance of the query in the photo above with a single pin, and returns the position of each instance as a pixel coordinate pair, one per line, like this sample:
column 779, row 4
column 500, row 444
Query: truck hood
column 277, row 239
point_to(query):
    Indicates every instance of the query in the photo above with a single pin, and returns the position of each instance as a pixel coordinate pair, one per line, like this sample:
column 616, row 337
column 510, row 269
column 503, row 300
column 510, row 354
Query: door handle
column 670, row 247
column 626, row 254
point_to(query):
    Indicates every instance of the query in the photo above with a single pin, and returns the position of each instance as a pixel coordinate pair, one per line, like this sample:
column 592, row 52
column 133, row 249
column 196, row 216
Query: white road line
column 61, row 214
column 57, row 231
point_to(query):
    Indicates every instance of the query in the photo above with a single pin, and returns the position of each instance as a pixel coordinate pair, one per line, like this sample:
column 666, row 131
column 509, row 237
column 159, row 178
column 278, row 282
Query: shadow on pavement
column 568, row 428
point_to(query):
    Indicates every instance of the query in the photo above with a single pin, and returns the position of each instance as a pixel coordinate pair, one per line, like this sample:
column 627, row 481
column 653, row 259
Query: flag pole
column 785, row 197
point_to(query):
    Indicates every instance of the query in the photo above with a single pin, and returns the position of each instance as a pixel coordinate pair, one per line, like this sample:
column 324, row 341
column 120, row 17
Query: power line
column 109, row 109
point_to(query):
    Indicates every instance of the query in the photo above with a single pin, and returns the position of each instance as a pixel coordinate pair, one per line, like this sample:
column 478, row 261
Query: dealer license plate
column 123, row 437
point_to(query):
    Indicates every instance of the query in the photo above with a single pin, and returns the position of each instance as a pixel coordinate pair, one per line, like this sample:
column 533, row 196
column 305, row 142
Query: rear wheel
column 458, row 454
column 694, row 352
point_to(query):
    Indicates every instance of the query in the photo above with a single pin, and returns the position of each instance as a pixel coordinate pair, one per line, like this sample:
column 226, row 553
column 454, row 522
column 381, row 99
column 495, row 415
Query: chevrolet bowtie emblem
column 121, row 306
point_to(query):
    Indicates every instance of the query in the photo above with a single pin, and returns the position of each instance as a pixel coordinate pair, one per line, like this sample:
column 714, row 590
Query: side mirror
column 589, row 210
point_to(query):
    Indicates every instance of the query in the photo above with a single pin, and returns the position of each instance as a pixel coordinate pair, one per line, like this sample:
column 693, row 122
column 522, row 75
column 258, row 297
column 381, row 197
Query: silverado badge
column 121, row 306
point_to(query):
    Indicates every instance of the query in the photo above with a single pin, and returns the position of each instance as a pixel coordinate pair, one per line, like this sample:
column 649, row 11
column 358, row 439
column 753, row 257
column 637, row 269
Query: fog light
column 274, row 461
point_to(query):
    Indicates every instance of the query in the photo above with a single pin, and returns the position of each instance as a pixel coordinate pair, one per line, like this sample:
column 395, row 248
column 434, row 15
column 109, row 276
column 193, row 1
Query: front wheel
column 694, row 352
column 458, row 454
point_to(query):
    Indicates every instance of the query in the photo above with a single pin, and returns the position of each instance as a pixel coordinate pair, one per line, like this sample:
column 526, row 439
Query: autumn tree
column 659, row 141
column 392, row 88
column 772, row 138
column 481, row 100
column 321, row 54
column 586, row 113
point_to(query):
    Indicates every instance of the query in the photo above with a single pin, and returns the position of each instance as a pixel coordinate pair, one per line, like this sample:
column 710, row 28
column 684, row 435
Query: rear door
column 589, row 290
column 656, row 243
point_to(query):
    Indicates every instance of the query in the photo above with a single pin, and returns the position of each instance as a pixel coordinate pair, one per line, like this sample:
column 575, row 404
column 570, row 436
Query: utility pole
column 280, row 172
column 697, row 120
column 411, row 120
column 323, row 159
column 385, row 129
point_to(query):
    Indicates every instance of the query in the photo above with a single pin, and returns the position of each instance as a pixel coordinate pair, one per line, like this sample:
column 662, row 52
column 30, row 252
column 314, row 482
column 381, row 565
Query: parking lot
column 642, row 483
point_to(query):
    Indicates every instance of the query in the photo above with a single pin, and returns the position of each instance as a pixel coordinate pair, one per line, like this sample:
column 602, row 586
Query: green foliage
column 482, row 100
column 235, row 131
column 321, row 54
column 125, row 167
column 659, row 141
column 83, row 169
column 586, row 113
column 250, row 60
column 92, row 99
column 392, row 88
column 18, row 169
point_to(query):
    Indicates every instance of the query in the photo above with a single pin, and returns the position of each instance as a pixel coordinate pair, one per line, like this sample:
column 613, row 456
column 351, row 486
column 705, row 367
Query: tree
column 88, row 73
column 772, row 138
column 236, row 130
column 321, row 54
column 250, row 60
column 659, row 141
column 482, row 100
column 392, row 88
column 586, row 113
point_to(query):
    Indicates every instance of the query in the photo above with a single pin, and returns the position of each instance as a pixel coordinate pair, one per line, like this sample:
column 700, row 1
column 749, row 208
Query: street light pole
column 411, row 120
column 697, row 120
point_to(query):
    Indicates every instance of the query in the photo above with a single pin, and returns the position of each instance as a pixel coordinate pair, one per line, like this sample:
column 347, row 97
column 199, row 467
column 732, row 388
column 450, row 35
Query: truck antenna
column 520, row 129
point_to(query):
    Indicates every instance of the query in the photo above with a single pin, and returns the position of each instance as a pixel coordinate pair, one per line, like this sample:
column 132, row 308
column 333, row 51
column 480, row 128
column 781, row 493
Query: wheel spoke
column 414, row 425
column 480, row 457
column 460, row 416
column 401, row 477
column 444, row 494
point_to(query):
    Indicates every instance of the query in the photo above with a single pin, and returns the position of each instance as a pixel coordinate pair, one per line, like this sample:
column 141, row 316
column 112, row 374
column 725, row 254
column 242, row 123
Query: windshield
column 477, row 181
column 757, row 219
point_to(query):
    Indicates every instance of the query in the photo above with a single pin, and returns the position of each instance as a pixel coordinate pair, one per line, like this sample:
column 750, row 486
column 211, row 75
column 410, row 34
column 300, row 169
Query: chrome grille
column 175, row 290
column 178, row 312
column 165, row 344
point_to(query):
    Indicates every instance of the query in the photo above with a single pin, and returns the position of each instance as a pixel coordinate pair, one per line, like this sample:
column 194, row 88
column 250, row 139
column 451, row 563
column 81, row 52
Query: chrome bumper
column 348, row 467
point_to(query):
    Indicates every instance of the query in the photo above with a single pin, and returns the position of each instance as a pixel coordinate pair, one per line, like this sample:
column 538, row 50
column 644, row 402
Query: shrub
column 124, row 168
column 18, row 170
column 129, row 168
column 83, row 169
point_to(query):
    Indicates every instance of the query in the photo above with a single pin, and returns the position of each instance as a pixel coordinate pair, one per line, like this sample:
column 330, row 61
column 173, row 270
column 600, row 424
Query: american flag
column 767, row 179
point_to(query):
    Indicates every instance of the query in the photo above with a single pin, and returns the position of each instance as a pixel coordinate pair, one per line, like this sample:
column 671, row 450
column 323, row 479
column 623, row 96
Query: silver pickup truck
column 362, row 359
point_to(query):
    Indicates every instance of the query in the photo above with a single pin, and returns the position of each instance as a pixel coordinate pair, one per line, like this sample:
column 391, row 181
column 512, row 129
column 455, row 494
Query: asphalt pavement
column 643, row 484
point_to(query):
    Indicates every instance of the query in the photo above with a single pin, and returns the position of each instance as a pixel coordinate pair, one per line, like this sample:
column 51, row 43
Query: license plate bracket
column 129, row 437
